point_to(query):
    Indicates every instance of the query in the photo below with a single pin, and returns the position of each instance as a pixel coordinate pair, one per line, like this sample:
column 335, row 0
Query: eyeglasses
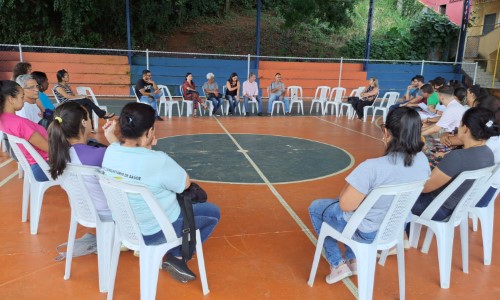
column 33, row 87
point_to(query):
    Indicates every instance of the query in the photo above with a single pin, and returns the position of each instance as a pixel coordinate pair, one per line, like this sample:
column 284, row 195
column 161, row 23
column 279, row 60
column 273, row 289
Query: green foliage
column 332, row 12
column 409, row 8
column 433, row 32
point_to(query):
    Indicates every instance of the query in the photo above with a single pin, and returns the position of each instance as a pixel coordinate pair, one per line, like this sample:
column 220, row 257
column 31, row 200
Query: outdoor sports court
column 263, row 172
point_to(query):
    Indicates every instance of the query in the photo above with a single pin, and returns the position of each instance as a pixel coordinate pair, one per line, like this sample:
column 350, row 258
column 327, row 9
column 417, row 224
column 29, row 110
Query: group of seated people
column 131, row 138
column 476, row 140
column 147, row 91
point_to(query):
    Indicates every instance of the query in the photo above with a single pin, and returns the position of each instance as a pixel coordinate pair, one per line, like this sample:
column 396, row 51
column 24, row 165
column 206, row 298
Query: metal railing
column 250, row 59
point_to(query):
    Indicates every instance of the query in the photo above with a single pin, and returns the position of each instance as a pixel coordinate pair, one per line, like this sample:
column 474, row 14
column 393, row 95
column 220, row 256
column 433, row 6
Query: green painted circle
column 280, row 159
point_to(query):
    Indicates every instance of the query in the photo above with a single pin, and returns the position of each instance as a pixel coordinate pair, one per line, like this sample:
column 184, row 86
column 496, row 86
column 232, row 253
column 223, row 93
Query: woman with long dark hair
column 477, row 126
column 63, row 92
column 402, row 162
column 133, row 160
column 190, row 93
column 11, row 100
column 68, row 135
column 233, row 92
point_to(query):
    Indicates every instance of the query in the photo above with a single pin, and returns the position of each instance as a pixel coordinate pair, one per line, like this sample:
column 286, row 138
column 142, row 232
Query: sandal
column 108, row 116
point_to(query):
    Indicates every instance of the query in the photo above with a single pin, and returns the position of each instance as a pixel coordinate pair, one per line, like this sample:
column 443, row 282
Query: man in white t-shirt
column 451, row 116
column 251, row 93
column 30, row 109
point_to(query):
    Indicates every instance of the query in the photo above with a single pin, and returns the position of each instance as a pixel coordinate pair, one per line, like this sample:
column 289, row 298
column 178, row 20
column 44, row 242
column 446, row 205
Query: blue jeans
column 38, row 173
column 217, row 102
column 206, row 217
column 328, row 210
column 488, row 196
column 259, row 101
column 273, row 98
column 233, row 102
column 152, row 100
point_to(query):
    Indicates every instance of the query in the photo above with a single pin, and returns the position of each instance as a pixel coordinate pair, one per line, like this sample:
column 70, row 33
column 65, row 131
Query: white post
column 147, row 59
column 340, row 71
column 475, row 73
column 20, row 53
column 422, row 68
column 248, row 65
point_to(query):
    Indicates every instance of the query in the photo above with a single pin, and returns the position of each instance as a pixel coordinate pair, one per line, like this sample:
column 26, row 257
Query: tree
column 335, row 12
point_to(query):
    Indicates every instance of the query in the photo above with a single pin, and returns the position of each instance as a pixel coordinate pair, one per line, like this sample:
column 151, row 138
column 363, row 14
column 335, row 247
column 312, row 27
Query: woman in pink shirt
column 11, row 100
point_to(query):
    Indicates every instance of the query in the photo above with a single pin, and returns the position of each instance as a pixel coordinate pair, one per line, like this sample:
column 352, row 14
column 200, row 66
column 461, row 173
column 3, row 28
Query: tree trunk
column 228, row 6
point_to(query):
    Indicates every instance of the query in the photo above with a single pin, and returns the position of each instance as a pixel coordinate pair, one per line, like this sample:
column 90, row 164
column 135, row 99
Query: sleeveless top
column 369, row 98
column 232, row 93
column 59, row 97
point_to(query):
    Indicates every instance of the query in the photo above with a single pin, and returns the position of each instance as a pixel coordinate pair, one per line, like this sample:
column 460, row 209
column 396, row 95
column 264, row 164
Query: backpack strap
column 188, row 227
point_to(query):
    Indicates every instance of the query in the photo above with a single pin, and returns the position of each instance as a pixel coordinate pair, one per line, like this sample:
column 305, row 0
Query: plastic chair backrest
column 480, row 177
column 181, row 88
column 166, row 93
column 405, row 196
column 73, row 182
column 322, row 92
column 117, row 193
column 133, row 92
column 15, row 144
column 86, row 91
column 336, row 94
column 295, row 93
column 392, row 98
column 55, row 96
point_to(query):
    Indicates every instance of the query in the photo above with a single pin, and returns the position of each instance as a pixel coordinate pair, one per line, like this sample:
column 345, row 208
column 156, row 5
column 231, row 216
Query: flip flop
column 108, row 116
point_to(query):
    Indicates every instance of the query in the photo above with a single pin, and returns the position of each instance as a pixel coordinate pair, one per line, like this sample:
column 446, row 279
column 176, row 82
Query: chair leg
column 486, row 215
column 71, row 243
column 302, row 108
column 414, row 234
column 444, row 238
column 113, row 266
column 317, row 255
column 401, row 269
column 464, row 241
column 104, row 235
column 36, row 200
column 474, row 218
column 366, row 274
column 427, row 241
column 201, row 264
column 148, row 273
column 26, row 198
column 383, row 257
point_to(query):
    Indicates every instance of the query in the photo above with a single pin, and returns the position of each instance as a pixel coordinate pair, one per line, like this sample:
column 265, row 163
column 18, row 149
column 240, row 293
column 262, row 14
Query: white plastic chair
column 366, row 108
column 320, row 97
column 33, row 190
column 276, row 103
column 55, row 97
column 390, row 234
column 445, row 230
column 127, row 232
column 189, row 103
column 335, row 99
column 133, row 92
column 295, row 94
column 486, row 216
column 391, row 98
column 350, row 110
column 74, row 182
column 86, row 91
column 168, row 104
column 209, row 103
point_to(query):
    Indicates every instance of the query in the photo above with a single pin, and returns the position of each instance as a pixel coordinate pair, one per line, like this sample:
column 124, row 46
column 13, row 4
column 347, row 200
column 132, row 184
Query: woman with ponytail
column 11, row 100
column 477, row 126
column 68, row 135
column 403, row 162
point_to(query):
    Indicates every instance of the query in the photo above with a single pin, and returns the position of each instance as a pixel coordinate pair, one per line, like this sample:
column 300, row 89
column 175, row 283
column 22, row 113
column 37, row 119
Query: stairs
column 483, row 78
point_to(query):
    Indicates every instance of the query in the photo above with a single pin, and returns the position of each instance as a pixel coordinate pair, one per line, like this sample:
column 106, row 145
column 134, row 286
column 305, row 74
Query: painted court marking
column 362, row 133
column 349, row 284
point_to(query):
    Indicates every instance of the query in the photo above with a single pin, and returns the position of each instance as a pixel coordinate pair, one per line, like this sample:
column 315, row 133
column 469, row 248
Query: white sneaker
column 338, row 273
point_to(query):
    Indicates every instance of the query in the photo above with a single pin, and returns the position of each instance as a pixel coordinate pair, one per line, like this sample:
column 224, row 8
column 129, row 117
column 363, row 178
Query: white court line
column 349, row 284
column 9, row 178
column 349, row 129
column 6, row 162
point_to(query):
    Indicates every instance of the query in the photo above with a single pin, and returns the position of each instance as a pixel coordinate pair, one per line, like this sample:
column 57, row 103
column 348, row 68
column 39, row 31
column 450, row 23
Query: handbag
column 194, row 193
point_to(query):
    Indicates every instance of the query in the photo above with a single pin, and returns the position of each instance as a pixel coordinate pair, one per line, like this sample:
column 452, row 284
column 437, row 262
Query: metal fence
column 140, row 59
